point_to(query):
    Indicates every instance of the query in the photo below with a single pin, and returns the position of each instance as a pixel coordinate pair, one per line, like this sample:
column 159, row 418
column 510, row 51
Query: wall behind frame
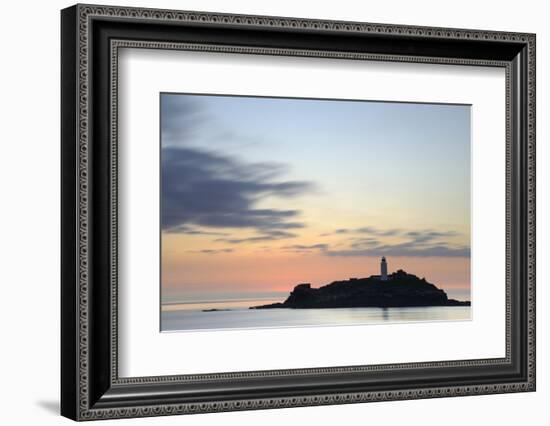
column 29, row 217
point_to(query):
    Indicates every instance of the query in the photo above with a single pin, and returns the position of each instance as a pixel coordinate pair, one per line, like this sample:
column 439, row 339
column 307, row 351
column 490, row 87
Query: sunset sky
column 260, row 194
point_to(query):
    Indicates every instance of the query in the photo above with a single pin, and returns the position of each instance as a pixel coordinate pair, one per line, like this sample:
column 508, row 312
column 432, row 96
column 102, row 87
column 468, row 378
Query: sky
column 260, row 194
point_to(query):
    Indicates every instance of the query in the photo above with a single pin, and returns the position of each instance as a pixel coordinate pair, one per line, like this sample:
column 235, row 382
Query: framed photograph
column 263, row 212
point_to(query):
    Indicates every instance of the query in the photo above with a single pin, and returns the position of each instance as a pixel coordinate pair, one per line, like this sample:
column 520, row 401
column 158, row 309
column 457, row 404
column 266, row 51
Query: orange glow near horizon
column 272, row 271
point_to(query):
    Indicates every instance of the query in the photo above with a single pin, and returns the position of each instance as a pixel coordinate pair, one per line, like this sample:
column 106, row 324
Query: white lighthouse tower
column 383, row 269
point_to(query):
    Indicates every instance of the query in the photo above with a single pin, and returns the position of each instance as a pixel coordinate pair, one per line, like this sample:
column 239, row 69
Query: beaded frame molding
column 91, row 39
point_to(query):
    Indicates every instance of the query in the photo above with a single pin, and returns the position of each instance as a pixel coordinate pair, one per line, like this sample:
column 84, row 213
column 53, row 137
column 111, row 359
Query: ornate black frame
column 91, row 37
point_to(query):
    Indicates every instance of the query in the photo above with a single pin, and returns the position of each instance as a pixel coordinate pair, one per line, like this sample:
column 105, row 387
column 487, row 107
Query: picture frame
column 91, row 37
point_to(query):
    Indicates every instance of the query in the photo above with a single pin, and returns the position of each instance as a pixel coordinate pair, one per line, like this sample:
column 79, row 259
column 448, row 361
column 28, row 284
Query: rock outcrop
column 400, row 290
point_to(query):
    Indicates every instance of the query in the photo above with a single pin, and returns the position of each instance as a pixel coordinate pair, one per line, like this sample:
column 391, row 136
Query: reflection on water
column 182, row 317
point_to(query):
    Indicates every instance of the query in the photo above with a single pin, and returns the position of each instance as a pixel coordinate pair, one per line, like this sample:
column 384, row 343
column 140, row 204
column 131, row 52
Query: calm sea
column 234, row 314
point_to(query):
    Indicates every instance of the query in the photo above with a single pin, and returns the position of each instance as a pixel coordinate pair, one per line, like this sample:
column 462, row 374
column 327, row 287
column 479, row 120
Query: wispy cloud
column 189, row 230
column 212, row 251
column 370, row 241
column 405, row 250
column 429, row 234
column 268, row 235
column 302, row 248
column 181, row 119
column 370, row 230
column 365, row 242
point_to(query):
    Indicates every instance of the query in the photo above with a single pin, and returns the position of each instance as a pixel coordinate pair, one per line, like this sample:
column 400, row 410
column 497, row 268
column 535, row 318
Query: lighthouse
column 383, row 269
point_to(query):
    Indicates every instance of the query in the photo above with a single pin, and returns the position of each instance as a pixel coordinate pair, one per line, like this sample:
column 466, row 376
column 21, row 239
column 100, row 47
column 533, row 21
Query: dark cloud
column 205, row 191
column 212, row 190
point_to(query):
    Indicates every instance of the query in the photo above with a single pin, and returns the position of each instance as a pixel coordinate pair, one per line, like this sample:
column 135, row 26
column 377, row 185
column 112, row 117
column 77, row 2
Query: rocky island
column 399, row 289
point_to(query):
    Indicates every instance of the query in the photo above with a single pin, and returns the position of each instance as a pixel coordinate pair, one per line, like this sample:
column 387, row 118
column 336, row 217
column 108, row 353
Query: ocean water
column 234, row 314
